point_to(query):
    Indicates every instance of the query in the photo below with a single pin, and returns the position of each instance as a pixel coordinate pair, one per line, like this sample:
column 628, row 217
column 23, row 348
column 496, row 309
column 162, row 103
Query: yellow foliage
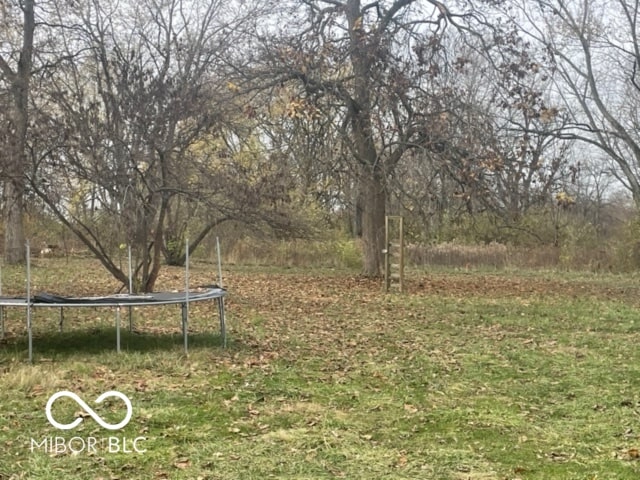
column 564, row 199
column 300, row 108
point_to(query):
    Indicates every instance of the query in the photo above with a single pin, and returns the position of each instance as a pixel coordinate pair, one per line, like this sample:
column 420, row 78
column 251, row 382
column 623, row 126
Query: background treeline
column 506, row 133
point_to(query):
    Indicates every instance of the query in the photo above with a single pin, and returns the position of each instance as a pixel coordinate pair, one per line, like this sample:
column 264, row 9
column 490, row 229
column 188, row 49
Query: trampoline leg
column 61, row 319
column 223, row 327
column 118, row 329
column 29, row 331
column 1, row 323
column 130, row 319
column 185, row 321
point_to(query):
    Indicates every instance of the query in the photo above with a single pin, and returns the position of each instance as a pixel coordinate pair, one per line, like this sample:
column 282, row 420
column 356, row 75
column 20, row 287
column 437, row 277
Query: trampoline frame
column 129, row 300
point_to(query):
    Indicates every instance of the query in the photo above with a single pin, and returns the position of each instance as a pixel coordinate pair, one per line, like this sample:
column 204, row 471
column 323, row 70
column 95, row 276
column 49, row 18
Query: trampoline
column 118, row 301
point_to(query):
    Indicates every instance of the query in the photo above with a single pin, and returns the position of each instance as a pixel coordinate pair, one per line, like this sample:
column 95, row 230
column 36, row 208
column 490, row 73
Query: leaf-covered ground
column 466, row 376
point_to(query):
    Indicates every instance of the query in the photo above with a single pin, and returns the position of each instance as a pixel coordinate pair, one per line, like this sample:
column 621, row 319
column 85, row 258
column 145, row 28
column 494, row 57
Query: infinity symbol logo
column 89, row 410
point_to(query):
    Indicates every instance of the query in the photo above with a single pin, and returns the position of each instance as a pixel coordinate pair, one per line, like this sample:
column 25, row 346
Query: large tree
column 124, row 154
column 497, row 152
column 596, row 45
column 366, row 65
column 15, row 75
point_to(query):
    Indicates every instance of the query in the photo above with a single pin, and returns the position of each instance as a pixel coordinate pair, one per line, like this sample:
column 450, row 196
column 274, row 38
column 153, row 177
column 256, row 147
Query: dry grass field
column 468, row 375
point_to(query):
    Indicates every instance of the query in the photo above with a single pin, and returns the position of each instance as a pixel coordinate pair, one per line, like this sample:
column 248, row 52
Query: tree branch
column 7, row 71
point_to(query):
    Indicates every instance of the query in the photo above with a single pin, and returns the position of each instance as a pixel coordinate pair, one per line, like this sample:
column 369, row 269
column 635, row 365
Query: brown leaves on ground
column 182, row 463
column 87, row 277
column 320, row 312
column 296, row 316
column 501, row 285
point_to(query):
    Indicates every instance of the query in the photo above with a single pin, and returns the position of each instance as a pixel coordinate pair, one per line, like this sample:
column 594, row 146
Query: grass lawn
column 467, row 376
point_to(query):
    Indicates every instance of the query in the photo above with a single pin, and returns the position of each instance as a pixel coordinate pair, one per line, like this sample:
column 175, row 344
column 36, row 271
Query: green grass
column 467, row 376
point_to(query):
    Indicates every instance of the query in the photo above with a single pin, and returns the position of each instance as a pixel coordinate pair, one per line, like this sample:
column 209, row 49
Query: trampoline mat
column 203, row 292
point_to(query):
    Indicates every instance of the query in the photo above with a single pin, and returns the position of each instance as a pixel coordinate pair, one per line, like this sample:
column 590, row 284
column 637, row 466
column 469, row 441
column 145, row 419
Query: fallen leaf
column 182, row 463
column 410, row 408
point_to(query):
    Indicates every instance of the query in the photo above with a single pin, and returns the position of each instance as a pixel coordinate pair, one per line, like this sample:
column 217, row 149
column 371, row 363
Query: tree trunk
column 14, row 241
column 356, row 224
column 14, row 183
column 176, row 254
column 151, row 276
column 373, row 214
column 14, row 180
column 371, row 188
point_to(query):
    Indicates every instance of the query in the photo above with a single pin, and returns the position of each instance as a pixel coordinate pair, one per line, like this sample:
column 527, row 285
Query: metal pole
column 29, row 332
column 130, row 289
column 118, row 329
column 185, row 311
column 219, row 262
column 223, row 327
column 184, row 325
column 130, row 272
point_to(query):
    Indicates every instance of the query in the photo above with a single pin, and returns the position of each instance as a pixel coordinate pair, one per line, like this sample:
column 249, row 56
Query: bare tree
column 596, row 45
column 15, row 121
column 363, row 62
column 129, row 117
column 495, row 148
